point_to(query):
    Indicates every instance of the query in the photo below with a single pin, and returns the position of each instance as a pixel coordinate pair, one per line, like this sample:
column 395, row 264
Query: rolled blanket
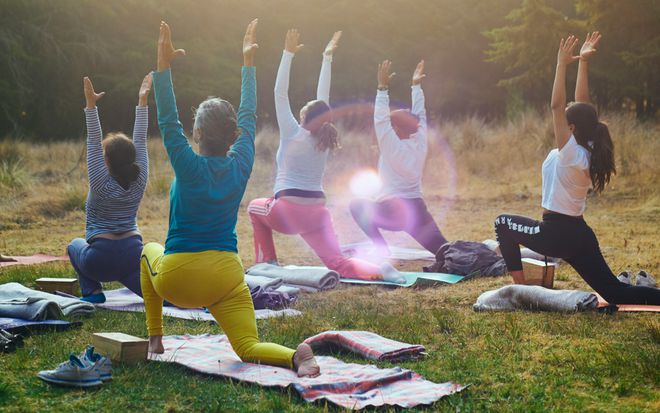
column 537, row 298
column 254, row 281
column 17, row 301
column 310, row 279
column 368, row 344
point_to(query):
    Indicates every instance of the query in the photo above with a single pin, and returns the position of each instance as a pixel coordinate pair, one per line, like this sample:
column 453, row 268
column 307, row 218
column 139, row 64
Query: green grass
column 518, row 362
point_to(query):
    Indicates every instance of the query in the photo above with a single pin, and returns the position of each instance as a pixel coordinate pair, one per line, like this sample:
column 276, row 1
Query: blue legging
column 105, row 260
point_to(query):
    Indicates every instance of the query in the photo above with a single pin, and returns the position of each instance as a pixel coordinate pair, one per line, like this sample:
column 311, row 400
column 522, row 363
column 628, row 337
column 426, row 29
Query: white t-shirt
column 300, row 165
column 401, row 162
column 566, row 179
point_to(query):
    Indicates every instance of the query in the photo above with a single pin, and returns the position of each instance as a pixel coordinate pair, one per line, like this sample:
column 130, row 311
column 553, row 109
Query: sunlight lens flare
column 365, row 184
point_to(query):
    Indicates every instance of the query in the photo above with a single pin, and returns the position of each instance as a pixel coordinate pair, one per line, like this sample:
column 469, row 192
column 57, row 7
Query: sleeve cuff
column 416, row 87
column 246, row 70
column 327, row 58
column 91, row 111
column 382, row 93
column 162, row 76
column 288, row 54
column 141, row 108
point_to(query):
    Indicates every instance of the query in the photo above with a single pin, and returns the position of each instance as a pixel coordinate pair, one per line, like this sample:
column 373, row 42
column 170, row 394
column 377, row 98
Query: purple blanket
column 349, row 385
column 10, row 323
column 124, row 299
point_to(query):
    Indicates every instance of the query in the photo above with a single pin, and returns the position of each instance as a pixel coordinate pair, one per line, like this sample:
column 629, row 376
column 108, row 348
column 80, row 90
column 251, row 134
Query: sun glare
column 365, row 183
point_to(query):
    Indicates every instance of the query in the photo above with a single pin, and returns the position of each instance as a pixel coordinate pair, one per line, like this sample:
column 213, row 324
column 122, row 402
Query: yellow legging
column 212, row 279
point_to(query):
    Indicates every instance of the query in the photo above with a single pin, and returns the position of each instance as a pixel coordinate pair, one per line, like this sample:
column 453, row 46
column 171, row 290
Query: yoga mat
column 348, row 385
column 33, row 259
column 629, row 307
column 363, row 249
column 124, row 299
column 11, row 323
column 412, row 278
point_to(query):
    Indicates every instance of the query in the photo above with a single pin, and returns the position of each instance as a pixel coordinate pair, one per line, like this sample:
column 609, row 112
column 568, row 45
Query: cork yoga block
column 538, row 273
column 65, row 285
column 120, row 347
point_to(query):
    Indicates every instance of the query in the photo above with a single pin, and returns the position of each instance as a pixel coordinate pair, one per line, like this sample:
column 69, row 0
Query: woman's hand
column 589, row 47
column 419, row 74
column 291, row 42
column 565, row 54
column 332, row 44
column 166, row 51
column 145, row 88
column 250, row 45
column 384, row 75
column 90, row 96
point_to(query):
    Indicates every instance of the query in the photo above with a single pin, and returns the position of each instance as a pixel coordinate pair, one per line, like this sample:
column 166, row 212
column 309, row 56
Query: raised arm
column 418, row 102
column 285, row 120
column 586, row 52
column 243, row 149
column 182, row 157
column 97, row 171
column 323, row 88
column 140, row 128
column 558, row 102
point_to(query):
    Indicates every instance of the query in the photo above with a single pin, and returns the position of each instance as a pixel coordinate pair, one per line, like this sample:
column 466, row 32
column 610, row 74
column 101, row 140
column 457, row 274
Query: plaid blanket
column 367, row 344
column 124, row 299
column 351, row 386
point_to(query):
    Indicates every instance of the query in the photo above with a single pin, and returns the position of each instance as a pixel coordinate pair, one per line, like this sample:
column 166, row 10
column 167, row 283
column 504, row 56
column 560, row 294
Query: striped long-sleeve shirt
column 111, row 208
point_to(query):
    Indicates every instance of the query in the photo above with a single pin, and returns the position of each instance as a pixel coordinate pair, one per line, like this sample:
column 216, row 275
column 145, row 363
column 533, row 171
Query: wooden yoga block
column 121, row 347
column 65, row 285
column 537, row 273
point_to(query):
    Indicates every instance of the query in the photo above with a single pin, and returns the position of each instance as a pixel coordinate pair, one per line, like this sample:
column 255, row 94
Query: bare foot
column 391, row 274
column 156, row 344
column 304, row 362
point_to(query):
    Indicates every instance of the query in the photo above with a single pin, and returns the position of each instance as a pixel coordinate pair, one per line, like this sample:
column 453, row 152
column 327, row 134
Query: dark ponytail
column 120, row 154
column 602, row 158
column 595, row 137
column 318, row 121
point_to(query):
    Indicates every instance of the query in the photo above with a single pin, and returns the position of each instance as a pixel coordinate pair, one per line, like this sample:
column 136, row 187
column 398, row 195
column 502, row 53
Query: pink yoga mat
column 33, row 259
column 629, row 307
column 349, row 385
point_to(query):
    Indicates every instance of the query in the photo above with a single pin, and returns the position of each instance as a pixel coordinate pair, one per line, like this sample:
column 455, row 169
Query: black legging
column 571, row 239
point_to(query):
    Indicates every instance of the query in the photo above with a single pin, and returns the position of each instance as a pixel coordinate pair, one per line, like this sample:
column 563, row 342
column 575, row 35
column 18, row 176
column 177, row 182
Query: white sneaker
column 624, row 277
column 103, row 364
column 391, row 274
column 72, row 373
column 645, row 279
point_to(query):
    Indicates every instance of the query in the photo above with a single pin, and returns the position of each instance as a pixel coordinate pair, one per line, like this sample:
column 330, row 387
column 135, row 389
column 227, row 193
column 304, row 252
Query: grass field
column 513, row 361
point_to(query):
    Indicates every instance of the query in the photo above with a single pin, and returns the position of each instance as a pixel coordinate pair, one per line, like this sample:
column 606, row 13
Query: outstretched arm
column 97, row 171
column 243, row 149
column 182, row 157
column 586, row 52
column 285, row 120
column 558, row 102
column 323, row 88
column 418, row 102
column 140, row 128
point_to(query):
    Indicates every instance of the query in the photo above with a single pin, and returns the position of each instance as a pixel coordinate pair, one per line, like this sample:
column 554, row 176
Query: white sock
column 391, row 274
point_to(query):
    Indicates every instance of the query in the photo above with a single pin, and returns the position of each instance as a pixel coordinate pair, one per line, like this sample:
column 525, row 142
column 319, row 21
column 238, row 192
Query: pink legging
column 314, row 224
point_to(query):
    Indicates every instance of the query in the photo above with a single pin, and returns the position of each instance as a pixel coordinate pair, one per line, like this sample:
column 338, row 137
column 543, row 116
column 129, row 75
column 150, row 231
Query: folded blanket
column 309, row 279
column 254, row 281
column 17, row 301
column 367, row 344
column 348, row 385
column 534, row 297
column 17, row 323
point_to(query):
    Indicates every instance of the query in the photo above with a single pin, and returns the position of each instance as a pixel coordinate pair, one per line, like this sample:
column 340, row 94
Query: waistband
column 557, row 215
column 300, row 193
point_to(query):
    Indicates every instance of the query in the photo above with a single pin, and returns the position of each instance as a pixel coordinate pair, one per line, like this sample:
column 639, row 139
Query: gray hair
column 215, row 118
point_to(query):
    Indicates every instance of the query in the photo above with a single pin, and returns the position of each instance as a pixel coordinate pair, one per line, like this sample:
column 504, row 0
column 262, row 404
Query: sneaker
column 94, row 298
column 103, row 364
column 624, row 277
column 72, row 373
column 6, row 345
column 645, row 279
column 15, row 338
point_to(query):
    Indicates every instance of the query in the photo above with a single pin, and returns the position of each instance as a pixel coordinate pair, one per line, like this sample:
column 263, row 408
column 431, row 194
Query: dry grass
column 520, row 361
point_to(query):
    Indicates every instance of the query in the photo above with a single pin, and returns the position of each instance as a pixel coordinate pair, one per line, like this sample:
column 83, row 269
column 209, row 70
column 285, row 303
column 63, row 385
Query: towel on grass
column 349, row 385
column 367, row 344
column 7, row 261
column 365, row 250
column 308, row 279
column 535, row 297
column 629, row 307
column 18, row 301
column 124, row 299
column 17, row 323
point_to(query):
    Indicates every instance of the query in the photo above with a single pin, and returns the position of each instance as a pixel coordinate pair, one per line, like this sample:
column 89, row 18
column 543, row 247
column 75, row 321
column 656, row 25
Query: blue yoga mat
column 412, row 278
column 9, row 323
